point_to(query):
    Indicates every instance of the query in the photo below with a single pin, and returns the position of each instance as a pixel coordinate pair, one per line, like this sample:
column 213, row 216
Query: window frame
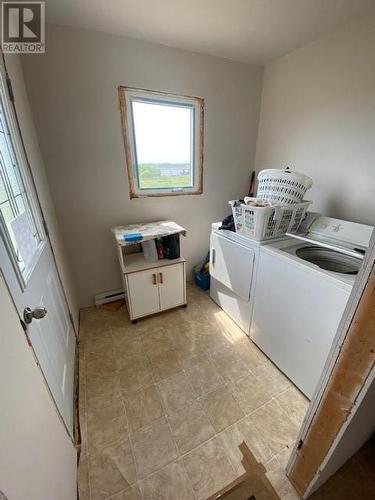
column 19, row 155
column 129, row 94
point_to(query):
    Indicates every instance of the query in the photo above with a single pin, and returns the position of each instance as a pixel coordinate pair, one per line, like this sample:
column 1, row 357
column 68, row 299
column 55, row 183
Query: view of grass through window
column 162, row 175
column 163, row 144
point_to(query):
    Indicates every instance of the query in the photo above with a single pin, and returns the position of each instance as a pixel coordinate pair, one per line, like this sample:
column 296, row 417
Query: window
column 18, row 224
column 163, row 136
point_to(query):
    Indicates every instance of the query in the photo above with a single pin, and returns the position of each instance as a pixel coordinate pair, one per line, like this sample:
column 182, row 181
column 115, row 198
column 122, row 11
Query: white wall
column 14, row 68
column 318, row 116
column 37, row 457
column 73, row 95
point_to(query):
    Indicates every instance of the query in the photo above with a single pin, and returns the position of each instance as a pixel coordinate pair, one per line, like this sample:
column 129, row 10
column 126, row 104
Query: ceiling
column 250, row 31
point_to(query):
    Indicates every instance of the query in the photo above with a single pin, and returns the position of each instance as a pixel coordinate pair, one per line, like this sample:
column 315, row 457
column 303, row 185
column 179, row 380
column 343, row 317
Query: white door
column 232, row 264
column 143, row 292
column 171, row 286
column 27, row 264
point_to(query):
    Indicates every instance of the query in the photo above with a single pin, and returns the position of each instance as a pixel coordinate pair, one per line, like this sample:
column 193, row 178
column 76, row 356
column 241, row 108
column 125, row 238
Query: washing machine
column 302, row 286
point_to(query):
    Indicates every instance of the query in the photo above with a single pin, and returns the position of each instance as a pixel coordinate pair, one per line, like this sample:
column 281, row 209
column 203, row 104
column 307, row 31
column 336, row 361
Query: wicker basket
column 282, row 185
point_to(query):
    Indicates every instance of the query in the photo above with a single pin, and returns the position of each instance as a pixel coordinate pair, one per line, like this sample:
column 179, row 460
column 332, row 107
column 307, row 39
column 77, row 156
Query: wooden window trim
column 198, row 188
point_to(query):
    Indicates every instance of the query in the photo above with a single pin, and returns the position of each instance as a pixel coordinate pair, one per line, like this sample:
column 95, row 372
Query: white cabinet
column 171, row 286
column 153, row 287
column 143, row 292
column 150, row 287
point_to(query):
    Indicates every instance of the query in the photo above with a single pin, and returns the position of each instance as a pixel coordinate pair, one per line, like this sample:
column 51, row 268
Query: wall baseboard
column 110, row 296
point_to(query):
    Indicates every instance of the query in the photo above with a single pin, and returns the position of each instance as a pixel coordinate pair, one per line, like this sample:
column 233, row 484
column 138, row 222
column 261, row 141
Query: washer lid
column 347, row 237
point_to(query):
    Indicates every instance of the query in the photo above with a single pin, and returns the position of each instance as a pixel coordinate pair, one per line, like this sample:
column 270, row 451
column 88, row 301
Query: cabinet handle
column 213, row 255
column 154, row 281
column 161, row 277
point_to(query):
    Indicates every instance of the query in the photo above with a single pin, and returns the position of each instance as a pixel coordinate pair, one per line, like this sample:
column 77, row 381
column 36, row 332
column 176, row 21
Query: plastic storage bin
column 202, row 274
column 264, row 223
column 202, row 279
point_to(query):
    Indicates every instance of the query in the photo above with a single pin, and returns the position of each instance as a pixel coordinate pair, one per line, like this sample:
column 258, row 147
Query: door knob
column 37, row 313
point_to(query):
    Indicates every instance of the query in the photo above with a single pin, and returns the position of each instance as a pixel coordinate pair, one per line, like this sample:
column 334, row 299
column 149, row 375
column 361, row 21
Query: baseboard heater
column 110, row 296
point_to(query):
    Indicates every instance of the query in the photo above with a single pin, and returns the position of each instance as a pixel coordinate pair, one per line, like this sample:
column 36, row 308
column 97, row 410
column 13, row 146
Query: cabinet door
column 143, row 293
column 171, row 286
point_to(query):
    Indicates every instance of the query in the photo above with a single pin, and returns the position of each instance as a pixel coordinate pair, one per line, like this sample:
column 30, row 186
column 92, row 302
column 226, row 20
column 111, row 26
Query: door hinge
column 10, row 88
column 45, row 226
column 300, row 444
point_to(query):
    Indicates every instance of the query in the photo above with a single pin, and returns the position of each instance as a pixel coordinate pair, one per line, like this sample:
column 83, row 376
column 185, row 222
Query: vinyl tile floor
column 164, row 404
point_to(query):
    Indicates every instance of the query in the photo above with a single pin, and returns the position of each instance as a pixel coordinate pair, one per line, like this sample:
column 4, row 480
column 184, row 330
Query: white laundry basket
column 282, row 185
column 264, row 223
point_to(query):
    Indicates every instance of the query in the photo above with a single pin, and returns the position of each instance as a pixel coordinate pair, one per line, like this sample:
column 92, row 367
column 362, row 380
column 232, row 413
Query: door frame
column 354, row 345
column 21, row 144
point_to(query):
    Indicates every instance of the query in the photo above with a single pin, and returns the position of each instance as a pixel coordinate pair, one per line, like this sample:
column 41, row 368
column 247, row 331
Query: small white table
column 150, row 287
